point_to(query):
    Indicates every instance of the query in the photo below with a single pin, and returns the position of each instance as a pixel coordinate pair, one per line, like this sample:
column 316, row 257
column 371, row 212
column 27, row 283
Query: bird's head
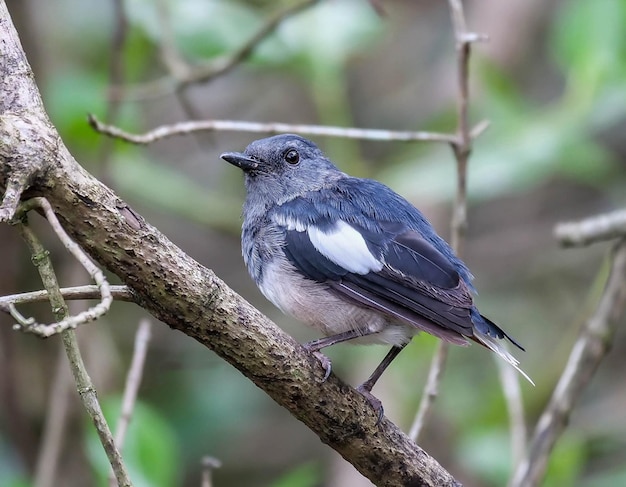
column 283, row 167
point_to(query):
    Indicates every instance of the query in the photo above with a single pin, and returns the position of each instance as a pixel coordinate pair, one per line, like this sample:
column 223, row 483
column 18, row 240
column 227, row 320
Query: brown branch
column 595, row 229
column 191, row 298
column 590, row 348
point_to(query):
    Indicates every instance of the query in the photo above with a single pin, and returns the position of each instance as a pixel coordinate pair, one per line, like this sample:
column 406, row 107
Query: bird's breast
column 314, row 304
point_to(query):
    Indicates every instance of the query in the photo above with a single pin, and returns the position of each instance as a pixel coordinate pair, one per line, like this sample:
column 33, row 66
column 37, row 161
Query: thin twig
column 595, row 229
column 96, row 274
column 133, row 381
column 208, row 465
column 84, row 385
column 590, row 348
column 515, row 406
column 119, row 293
column 184, row 128
column 187, row 75
column 11, row 199
column 54, row 433
column 461, row 145
column 431, row 390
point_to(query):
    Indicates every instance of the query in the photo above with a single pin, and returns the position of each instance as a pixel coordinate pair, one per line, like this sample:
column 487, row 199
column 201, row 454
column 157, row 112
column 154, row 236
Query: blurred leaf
column 590, row 40
column 202, row 28
column 607, row 478
column 12, row 470
column 306, row 475
column 69, row 96
column 150, row 451
column 166, row 189
column 566, row 461
column 332, row 31
column 487, row 452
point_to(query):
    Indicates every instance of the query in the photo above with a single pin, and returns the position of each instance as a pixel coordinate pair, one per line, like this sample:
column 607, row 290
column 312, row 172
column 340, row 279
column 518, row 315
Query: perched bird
column 351, row 257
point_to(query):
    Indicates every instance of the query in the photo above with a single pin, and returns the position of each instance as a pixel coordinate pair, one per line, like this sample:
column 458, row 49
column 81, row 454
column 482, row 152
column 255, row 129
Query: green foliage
column 486, row 451
column 70, row 94
column 306, row 475
column 529, row 144
column 164, row 188
column 566, row 461
column 202, row 29
column 150, row 450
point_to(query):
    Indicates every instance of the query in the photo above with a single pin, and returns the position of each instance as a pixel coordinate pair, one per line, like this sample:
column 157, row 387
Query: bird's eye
column 292, row 156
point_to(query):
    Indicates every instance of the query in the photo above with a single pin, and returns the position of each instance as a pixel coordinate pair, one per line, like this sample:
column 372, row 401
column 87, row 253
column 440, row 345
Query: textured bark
column 185, row 295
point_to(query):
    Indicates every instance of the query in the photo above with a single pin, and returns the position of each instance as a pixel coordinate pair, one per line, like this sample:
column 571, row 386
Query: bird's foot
column 374, row 402
column 325, row 362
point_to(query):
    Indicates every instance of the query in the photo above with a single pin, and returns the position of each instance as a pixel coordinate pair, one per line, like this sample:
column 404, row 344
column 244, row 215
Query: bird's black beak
column 240, row 160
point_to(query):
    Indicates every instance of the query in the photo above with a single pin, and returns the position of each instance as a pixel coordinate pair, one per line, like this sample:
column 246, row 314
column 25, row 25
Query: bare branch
column 54, row 431
column 592, row 345
column 105, row 292
column 431, row 390
column 461, row 145
column 590, row 230
column 11, row 200
column 184, row 128
column 512, row 391
column 84, row 385
column 208, row 465
column 133, row 381
column 184, row 75
column 119, row 293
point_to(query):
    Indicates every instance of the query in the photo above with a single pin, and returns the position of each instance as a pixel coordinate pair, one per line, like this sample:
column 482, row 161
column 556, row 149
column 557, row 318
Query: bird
column 351, row 257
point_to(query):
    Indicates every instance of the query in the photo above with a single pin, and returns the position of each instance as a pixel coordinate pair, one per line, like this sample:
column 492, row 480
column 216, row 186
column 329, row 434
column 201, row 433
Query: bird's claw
column 327, row 365
column 325, row 362
column 376, row 404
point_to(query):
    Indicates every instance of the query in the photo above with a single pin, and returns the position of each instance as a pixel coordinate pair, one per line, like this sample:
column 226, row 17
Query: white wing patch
column 346, row 247
column 289, row 223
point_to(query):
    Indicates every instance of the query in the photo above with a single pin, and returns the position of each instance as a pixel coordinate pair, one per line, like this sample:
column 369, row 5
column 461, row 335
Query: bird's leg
column 366, row 387
column 314, row 346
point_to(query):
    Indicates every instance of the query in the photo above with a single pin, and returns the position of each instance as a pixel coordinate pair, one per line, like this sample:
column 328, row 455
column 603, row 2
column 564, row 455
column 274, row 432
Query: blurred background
column 552, row 82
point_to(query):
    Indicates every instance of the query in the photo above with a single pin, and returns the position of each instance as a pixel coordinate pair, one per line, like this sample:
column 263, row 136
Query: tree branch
column 590, row 230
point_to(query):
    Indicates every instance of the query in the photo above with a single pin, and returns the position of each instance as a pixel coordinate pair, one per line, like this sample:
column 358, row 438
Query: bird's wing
column 391, row 269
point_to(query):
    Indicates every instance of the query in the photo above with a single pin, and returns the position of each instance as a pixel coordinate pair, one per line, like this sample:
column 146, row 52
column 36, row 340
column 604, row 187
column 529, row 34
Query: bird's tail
column 500, row 348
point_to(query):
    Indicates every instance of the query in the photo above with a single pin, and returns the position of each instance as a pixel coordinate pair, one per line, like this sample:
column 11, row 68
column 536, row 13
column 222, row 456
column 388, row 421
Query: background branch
column 461, row 146
column 590, row 348
column 184, row 128
column 85, row 387
column 594, row 229
column 182, row 75
column 92, row 313
column 133, row 381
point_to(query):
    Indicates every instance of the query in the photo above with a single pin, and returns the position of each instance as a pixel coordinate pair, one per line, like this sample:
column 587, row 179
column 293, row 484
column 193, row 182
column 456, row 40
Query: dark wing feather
column 417, row 284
